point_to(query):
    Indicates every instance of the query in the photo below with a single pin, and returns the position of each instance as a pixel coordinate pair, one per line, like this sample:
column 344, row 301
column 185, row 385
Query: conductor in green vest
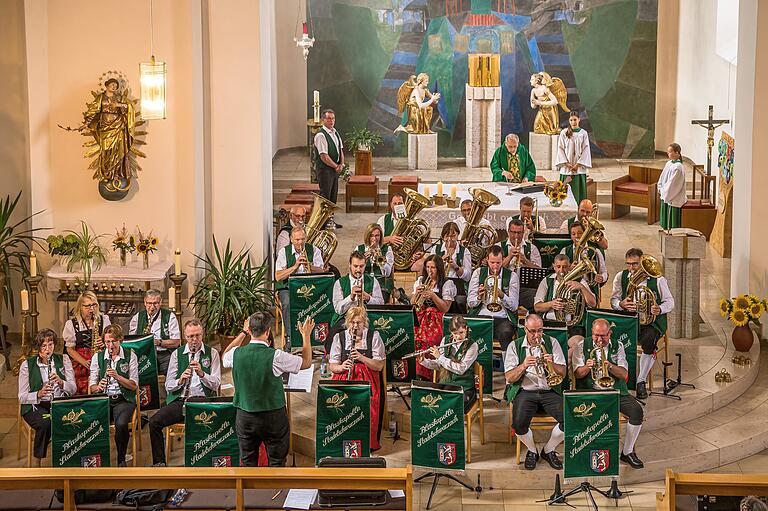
column 161, row 323
column 194, row 374
column 597, row 360
column 115, row 372
column 43, row 377
column 257, row 373
column 528, row 364
column 512, row 163
column 329, row 157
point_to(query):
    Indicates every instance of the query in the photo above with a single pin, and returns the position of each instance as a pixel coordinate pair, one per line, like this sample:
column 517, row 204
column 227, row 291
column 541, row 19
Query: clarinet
column 108, row 360
column 188, row 383
column 51, row 370
column 351, row 371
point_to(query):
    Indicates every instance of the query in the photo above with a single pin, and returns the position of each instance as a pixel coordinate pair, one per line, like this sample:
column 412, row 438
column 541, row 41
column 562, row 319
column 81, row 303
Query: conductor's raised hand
column 306, row 328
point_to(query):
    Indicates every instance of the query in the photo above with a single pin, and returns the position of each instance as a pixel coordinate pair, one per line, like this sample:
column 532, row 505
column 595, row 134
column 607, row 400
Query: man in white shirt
column 329, row 159
column 526, row 215
column 530, row 392
column 161, row 323
column 347, row 291
column 519, row 252
column 194, row 372
column 465, row 208
column 296, row 218
column 585, row 210
column 388, row 221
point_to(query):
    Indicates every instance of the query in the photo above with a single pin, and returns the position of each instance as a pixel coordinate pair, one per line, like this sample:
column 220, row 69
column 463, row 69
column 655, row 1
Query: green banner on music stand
column 437, row 426
column 80, row 432
column 343, row 425
column 395, row 326
column 591, row 422
column 480, row 331
column 209, row 434
column 550, row 245
column 311, row 296
column 144, row 347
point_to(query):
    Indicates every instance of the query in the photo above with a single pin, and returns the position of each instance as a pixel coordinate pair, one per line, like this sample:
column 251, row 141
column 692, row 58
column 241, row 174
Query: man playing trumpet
column 530, row 222
column 591, row 367
column 519, row 252
column 534, row 367
column 493, row 292
column 379, row 259
column 355, row 289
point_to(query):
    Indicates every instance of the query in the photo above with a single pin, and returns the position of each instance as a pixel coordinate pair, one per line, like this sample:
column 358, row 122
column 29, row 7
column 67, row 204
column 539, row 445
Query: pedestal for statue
column 682, row 254
column 543, row 149
column 422, row 152
column 483, row 121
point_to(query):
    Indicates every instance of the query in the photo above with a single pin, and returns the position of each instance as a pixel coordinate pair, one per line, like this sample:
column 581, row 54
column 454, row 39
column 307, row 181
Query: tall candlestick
column 32, row 264
column 177, row 263
column 24, row 300
column 453, row 192
column 426, row 191
column 172, row 298
column 440, row 188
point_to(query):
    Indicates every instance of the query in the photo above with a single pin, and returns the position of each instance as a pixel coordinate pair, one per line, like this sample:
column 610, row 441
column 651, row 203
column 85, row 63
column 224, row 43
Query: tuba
column 479, row 238
column 600, row 374
column 574, row 300
column 643, row 297
column 323, row 239
column 414, row 231
column 546, row 369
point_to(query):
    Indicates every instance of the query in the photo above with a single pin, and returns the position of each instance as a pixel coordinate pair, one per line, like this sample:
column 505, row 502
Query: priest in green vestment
column 512, row 162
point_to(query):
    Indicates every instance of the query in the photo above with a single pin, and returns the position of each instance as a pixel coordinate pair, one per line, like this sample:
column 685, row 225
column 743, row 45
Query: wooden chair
column 25, row 430
column 134, row 426
column 662, row 344
column 475, row 411
column 398, row 183
column 638, row 188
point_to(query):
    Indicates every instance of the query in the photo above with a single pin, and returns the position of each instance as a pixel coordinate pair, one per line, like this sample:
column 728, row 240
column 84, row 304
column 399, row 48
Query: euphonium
column 545, row 369
column 593, row 231
column 414, row 231
column 642, row 296
column 590, row 253
column 573, row 299
column 95, row 336
column 479, row 238
column 492, row 286
column 600, row 373
column 324, row 240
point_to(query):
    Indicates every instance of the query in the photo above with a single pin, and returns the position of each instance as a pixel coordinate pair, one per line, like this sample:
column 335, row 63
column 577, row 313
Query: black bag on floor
column 87, row 496
column 148, row 500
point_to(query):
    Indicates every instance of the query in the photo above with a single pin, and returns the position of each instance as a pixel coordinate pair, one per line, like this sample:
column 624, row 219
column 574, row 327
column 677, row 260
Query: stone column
column 543, row 149
column 483, row 123
column 682, row 255
column 422, row 152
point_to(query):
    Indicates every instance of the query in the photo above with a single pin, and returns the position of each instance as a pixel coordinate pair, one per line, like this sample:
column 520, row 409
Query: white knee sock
column 555, row 438
column 527, row 440
column 630, row 438
column 646, row 364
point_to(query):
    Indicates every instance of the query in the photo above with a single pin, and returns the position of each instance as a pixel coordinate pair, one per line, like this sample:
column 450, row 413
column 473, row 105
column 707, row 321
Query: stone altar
column 543, row 149
column 682, row 250
column 483, row 124
column 422, row 151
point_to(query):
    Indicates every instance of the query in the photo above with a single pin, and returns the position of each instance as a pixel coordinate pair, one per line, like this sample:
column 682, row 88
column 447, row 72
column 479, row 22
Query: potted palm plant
column 232, row 288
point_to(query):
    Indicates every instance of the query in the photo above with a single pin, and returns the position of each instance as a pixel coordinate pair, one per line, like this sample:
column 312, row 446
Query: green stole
column 587, row 382
column 123, row 368
column 514, row 387
column 36, row 377
column 290, row 260
column 660, row 324
column 182, row 360
column 506, row 274
column 143, row 327
column 257, row 389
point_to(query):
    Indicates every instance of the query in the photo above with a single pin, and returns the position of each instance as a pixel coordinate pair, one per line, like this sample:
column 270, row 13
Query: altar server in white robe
column 574, row 157
column 672, row 189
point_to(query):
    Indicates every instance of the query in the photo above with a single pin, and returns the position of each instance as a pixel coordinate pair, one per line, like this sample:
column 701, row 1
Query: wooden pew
column 236, row 478
column 709, row 484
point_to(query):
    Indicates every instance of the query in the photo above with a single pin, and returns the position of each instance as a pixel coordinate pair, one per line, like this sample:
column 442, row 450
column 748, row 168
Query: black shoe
column 640, row 391
column 552, row 459
column 531, row 459
column 632, row 460
column 122, row 464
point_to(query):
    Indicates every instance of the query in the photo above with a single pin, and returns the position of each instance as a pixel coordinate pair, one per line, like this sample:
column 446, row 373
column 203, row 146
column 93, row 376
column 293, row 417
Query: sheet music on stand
column 530, row 278
column 299, row 382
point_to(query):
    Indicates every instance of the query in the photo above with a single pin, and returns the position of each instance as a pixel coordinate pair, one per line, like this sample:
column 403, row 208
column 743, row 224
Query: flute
column 421, row 352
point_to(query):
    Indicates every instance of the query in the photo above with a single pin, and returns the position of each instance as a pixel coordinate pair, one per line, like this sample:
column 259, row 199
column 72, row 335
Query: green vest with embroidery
column 660, row 324
column 456, row 353
column 506, row 274
column 290, row 260
column 526, row 250
column 257, row 389
column 389, row 224
column 143, row 327
column 346, row 290
column 182, row 360
column 36, row 377
column 587, row 382
column 513, row 388
column 333, row 152
column 123, row 368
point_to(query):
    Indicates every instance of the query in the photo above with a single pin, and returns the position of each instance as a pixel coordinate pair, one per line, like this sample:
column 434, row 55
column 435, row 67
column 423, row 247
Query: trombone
column 599, row 371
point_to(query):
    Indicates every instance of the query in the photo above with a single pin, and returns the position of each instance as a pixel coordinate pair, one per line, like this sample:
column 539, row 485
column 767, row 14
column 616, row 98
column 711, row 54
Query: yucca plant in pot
column 231, row 289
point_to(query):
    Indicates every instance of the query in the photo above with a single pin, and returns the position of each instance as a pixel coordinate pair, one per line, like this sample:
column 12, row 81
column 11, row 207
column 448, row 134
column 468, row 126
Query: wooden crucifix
column 711, row 124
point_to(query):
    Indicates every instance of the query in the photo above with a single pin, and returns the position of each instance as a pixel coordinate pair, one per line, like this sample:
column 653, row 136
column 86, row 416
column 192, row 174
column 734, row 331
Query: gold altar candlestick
column 23, row 355
column 33, row 283
column 178, row 280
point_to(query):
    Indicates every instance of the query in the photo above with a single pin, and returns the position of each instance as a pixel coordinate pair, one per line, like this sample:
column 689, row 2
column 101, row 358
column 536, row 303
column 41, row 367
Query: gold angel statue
column 414, row 95
column 546, row 94
column 111, row 122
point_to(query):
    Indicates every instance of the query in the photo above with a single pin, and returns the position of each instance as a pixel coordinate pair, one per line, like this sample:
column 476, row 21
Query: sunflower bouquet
column 123, row 242
column 145, row 245
column 556, row 192
column 743, row 309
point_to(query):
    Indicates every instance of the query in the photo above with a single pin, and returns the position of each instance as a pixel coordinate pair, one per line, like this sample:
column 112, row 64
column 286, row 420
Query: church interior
column 410, row 254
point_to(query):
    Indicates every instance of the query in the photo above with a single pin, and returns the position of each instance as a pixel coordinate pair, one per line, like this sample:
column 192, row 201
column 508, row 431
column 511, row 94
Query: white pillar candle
column 426, row 191
column 316, row 96
column 177, row 262
column 24, row 300
column 439, row 188
column 172, row 298
column 453, row 192
column 32, row 264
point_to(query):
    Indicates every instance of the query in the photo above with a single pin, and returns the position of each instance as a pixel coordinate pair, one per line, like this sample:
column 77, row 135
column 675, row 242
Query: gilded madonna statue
column 546, row 94
column 414, row 97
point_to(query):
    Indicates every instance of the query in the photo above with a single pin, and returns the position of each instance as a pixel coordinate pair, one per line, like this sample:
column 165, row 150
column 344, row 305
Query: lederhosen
column 83, row 341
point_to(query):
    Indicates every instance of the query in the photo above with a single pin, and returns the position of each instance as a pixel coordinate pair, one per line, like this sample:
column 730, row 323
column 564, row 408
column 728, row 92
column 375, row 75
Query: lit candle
column 426, row 191
column 317, row 97
column 177, row 263
column 453, row 192
column 172, row 298
column 32, row 264
column 439, row 188
column 24, row 300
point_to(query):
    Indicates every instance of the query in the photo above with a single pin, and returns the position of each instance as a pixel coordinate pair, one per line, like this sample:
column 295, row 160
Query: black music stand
column 669, row 384
column 530, row 277
column 558, row 497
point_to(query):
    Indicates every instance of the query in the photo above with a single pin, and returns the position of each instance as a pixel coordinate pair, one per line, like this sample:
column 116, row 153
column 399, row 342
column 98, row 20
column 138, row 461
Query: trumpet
column 303, row 254
column 545, row 369
column 448, row 255
column 95, row 336
column 422, row 352
column 492, row 286
column 373, row 253
column 358, row 282
column 421, row 296
column 600, row 373
column 515, row 263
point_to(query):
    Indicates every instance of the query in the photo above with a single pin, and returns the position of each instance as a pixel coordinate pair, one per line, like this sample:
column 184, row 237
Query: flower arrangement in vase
column 145, row 245
column 740, row 311
column 123, row 242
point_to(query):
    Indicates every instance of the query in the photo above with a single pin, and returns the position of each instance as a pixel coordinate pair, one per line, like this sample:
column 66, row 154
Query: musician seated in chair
column 575, row 251
column 586, row 208
column 356, row 288
column 43, row 377
column 589, row 369
column 534, row 367
column 115, row 371
column 194, row 372
column 454, row 360
column 512, row 162
column 379, row 259
column 519, row 252
column 357, row 353
column 457, row 261
column 527, row 216
column 296, row 218
column 461, row 222
column 643, row 276
column 161, row 323
column 297, row 258
column 493, row 292
column 433, row 295
column 388, row 221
